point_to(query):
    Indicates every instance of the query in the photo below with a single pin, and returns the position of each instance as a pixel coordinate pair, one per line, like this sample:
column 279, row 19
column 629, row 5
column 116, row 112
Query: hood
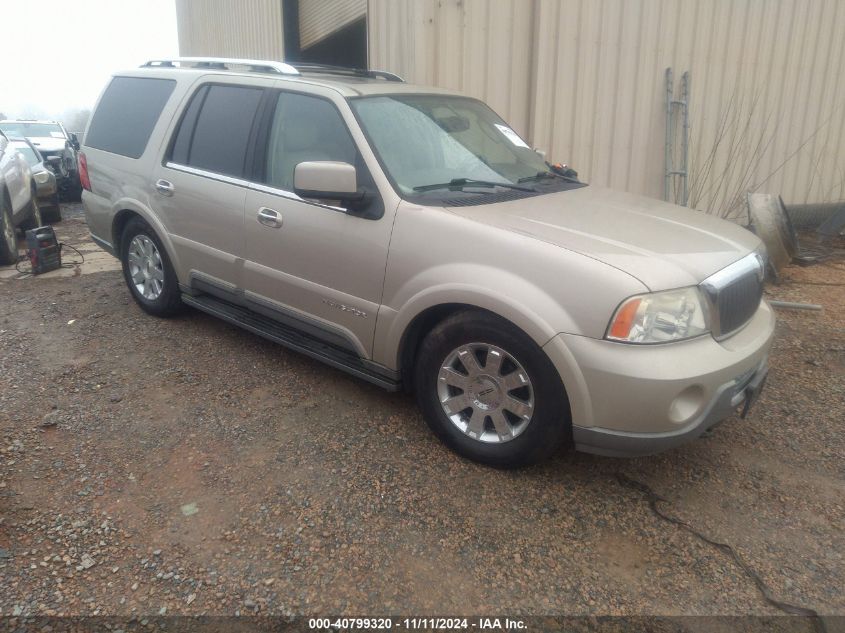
column 661, row 244
column 48, row 143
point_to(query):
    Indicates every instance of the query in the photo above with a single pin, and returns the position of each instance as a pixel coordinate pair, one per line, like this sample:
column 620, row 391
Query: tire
column 34, row 219
column 8, row 240
column 143, row 255
column 497, row 394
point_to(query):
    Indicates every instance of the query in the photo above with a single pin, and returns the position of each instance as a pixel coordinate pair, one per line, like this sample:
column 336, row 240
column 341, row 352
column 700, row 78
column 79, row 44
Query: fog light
column 687, row 404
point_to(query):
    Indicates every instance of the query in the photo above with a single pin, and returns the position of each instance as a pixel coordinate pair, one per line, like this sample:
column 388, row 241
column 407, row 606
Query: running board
column 291, row 338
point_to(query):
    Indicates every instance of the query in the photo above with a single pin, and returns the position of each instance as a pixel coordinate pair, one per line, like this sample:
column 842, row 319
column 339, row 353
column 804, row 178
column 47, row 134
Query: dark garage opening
column 345, row 47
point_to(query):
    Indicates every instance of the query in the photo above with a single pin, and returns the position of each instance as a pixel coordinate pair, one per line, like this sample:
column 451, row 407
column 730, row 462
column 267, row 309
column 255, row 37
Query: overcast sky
column 56, row 55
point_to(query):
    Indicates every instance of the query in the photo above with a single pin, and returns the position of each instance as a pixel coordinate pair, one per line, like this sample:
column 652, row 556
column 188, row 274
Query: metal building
column 585, row 80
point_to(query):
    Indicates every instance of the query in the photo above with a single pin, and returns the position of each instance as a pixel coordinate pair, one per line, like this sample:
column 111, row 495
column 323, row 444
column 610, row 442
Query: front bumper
column 627, row 444
column 630, row 400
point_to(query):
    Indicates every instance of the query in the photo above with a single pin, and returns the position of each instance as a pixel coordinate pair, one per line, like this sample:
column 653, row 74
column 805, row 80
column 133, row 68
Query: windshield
column 31, row 157
column 21, row 128
column 427, row 140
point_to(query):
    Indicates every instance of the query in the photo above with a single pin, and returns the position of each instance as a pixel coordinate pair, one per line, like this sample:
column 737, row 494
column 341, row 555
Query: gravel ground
column 186, row 467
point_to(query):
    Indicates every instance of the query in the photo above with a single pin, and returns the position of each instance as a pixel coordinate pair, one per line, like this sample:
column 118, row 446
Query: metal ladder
column 674, row 108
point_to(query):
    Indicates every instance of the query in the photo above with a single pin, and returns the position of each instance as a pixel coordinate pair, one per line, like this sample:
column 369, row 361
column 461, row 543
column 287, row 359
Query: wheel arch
column 417, row 330
column 125, row 213
column 429, row 318
column 121, row 219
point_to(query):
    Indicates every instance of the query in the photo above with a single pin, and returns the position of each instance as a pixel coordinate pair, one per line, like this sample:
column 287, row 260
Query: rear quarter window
column 127, row 114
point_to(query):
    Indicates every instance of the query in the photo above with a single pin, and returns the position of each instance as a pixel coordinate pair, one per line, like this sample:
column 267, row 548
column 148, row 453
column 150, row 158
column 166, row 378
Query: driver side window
column 305, row 128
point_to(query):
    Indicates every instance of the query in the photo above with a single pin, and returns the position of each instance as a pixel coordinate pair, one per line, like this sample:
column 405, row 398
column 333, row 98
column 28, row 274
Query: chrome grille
column 738, row 302
column 734, row 294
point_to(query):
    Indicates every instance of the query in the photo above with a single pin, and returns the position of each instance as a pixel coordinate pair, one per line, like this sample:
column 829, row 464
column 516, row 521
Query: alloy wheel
column 145, row 267
column 485, row 392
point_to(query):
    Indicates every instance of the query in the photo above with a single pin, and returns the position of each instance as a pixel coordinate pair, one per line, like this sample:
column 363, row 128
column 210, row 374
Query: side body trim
column 294, row 339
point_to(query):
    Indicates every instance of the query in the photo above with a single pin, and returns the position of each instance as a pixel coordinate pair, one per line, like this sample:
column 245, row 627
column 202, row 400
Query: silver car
column 408, row 235
column 18, row 200
column 44, row 178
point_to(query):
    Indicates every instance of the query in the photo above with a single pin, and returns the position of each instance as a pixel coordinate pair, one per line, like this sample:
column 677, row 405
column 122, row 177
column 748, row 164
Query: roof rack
column 223, row 63
column 328, row 69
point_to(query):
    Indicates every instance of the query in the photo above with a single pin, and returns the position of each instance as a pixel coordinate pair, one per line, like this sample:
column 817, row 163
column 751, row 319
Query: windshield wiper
column 548, row 174
column 459, row 183
column 537, row 176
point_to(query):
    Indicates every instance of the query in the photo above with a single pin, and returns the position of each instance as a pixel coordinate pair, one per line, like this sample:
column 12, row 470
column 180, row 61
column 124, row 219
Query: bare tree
column 741, row 144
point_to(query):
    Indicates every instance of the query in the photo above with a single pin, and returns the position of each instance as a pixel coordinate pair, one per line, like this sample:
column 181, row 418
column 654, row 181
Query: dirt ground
column 184, row 466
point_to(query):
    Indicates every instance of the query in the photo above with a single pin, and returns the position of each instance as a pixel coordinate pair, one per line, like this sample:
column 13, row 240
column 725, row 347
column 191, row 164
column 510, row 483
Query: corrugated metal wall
column 318, row 18
column 223, row 28
column 477, row 47
column 584, row 80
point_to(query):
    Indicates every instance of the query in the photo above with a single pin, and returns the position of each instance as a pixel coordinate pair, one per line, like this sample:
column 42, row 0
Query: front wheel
column 489, row 392
column 8, row 241
column 33, row 220
column 147, row 270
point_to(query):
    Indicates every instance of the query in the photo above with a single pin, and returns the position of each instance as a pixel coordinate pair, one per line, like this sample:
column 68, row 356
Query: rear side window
column 127, row 114
column 214, row 132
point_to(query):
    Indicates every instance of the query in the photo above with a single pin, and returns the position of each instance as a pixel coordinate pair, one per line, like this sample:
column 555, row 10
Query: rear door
column 318, row 266
column 201, row 185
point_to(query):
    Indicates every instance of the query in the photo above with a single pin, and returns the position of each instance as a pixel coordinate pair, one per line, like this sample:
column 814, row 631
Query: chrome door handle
column 165, row 187
column 269, row 217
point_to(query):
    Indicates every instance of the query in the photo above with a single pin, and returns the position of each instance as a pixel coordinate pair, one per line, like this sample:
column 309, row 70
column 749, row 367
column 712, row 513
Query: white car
column 53, row 141
column 18, row 199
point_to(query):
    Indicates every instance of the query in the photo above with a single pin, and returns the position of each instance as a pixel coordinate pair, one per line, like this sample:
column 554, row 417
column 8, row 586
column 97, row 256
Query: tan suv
column 409, row 236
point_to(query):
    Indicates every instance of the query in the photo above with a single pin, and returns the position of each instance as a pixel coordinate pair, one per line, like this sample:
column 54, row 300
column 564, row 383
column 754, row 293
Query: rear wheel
column 8, row 241
column 148, row 271
column 489, row 392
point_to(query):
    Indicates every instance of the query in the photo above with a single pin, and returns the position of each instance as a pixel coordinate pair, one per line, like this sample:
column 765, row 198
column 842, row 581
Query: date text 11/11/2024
column 416, row 624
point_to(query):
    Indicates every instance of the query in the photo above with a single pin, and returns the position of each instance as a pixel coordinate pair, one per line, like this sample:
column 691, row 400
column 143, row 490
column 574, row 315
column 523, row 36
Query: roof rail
column 223, row 63
column 305, row 67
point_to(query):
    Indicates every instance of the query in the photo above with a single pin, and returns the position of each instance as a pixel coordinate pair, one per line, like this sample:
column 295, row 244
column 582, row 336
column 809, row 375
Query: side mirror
column 74, row 141
column 326, row 180
column 54, row 160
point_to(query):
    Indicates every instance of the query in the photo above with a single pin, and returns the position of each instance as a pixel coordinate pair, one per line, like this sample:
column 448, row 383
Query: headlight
column 41, row 177
column 763, row 257
column 660, row 317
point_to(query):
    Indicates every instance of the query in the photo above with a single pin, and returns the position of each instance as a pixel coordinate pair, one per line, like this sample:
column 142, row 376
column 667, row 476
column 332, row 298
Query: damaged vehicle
column 18, row 200
column 52, row 140
column 44, row 178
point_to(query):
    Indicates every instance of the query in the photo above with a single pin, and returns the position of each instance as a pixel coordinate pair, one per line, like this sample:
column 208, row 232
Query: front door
column 321, row 267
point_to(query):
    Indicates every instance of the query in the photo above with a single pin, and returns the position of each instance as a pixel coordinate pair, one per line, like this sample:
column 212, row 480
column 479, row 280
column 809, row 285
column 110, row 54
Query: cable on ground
column 64, row 264
column 653, row 499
